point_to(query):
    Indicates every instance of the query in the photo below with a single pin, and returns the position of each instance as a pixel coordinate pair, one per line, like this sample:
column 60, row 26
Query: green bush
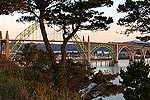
column 137, row 81
column 103, row 78
column 17, row 83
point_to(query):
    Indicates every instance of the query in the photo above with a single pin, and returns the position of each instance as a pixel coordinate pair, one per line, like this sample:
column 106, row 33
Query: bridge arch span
column 144, row 52
column 147, row 51
column 106, row 46
column 24, row 35
column 128, row 50
column 141, row 51
column 124, row 47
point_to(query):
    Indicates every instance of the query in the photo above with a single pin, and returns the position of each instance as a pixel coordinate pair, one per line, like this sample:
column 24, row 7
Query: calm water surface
column 104, row 67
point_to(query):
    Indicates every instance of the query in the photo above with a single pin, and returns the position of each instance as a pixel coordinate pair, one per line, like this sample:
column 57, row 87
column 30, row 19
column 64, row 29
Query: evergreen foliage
column 35, row 58
column 30, row 83
column 137, row 17
column 10, row 6
column 70, row 16
column 137, row 81
column 103, row 78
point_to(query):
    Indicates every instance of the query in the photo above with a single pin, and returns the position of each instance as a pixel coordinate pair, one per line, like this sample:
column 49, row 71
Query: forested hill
column 73, row 47
column 137, row 43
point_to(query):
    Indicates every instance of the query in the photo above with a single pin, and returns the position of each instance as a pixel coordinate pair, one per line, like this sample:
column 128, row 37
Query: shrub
column 137, row 81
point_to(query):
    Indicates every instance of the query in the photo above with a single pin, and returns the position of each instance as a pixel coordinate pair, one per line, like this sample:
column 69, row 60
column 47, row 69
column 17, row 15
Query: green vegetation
column 137, row 17
column 102, row 78
column 136, row 77
column 68, row 15
column 137, row 81
column 30, row 83
column 41, row 78
column 104, row 87
column 24, row 83
column 36, row 59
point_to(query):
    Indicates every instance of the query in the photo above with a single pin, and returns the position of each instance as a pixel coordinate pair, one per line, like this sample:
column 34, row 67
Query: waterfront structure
column 86, row 48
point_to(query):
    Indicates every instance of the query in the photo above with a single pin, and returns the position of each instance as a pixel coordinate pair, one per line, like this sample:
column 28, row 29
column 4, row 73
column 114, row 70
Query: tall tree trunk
column 63, row 46
column 47, row 44
column 63, row 52
column 62, row 73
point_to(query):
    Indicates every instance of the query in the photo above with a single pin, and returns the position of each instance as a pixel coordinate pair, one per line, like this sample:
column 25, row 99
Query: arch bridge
column 115, row 48
column 87, row 48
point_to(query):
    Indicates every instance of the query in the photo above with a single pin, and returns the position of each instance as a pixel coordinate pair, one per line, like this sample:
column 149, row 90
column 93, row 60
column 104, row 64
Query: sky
column 8, row 23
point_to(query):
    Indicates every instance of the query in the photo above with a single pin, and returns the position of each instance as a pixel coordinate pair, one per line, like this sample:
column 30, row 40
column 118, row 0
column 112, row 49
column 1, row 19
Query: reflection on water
column 113, row 97
column 104, row 67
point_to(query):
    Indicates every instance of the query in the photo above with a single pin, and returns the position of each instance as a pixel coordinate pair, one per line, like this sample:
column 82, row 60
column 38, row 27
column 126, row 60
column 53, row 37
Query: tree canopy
column 137, row 81
column 137, row 17
column 70, row 15
column 10, row 6
column 79, row 15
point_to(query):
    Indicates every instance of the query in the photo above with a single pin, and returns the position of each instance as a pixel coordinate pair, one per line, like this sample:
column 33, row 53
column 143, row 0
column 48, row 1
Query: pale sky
column 8, row 23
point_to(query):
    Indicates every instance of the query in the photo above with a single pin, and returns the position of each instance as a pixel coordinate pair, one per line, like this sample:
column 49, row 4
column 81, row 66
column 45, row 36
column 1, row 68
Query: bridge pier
column 89, row 51
column 115, row 57
column 83, row 55
column 0, row 44
column 131, row 57
column 143, row 57
column 117, row 54
column 6, row 41
column 7, row 51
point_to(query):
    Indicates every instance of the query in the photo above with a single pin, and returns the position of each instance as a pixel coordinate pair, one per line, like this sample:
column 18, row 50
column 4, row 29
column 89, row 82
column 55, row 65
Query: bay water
column 105, row 68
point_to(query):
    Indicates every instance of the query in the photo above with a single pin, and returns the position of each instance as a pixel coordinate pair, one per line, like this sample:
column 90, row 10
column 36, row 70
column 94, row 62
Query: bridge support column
column 131, row 59
column 7, row 51
column 143, row 55
column 83, row 52
column 1, row 44
column 117, row 54
column 89, row 51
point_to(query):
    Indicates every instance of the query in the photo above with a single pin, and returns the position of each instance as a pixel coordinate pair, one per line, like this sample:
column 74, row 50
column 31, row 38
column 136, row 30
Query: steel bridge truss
column 113, row 48
column 24, row 35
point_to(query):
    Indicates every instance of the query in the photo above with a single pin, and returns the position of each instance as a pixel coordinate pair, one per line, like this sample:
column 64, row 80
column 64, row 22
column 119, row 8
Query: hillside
column 135, row 42
column 73, row 47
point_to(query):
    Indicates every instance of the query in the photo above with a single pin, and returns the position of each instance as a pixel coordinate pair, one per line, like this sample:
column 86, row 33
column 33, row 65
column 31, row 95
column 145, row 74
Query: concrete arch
column 124, row 47
column 108, row 47
column 142, row 52
column 146, row 51
column 130, row 52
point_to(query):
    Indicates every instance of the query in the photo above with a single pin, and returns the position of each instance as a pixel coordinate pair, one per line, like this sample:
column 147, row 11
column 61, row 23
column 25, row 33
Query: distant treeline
column 74, row 47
